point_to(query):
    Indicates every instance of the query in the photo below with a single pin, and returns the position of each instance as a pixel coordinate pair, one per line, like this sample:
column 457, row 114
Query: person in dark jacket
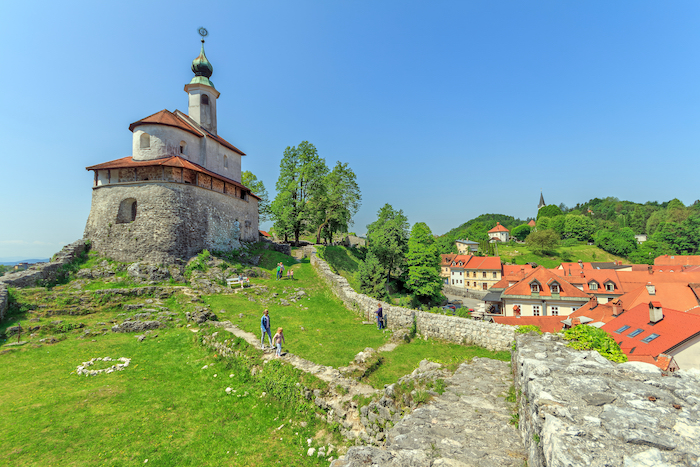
column 265, row 329
column 380, row 316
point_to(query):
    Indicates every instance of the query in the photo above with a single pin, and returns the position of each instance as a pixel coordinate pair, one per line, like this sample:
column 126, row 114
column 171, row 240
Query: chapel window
column 127, row 211
column 145, row 141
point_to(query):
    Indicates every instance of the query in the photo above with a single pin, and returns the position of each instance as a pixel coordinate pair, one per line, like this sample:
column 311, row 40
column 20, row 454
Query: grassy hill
column 521, row 254
column 170, row 405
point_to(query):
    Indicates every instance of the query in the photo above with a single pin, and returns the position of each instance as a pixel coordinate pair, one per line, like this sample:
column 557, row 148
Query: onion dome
column 202, row 69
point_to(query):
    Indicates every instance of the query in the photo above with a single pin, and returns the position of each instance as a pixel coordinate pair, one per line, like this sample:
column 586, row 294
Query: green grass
column 406, row 357
column 343, row 261
column 521, row 254
column 333, row 335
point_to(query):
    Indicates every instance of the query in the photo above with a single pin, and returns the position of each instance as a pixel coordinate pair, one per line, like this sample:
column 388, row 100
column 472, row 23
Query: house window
column 609, row 286
column 453, row 282
column 555, row 288
column 495, row 275
column 593, row 285
column 460, row 273
column 127, row 211
column 554, row 310
column 475, row 275
column 484, row 286
column 483, row 275
column 574, row 308
column 622, row 329
column 534, row 287
column 535, row 310
column 183, row 147
column 474, row 284
column 635, row 333
column 145, row 141
column 205, row 99
column 650, row 338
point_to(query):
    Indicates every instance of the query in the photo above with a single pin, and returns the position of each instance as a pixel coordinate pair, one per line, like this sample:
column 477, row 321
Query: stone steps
column 468, row 425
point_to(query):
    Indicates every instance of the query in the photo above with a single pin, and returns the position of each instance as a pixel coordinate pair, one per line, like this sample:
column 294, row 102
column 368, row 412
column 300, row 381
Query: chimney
column 593, row 302
column 580, row 263
column 651, row 289
column 656, row 313
column 569, row 271
column 651, row 269
column 616, row 309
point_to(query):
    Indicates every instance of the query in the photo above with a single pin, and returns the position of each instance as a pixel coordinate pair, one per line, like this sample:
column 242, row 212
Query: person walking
column 279, row 270
column 265, row 329
column 380, row 317
column 278, row 339
column 291, row 274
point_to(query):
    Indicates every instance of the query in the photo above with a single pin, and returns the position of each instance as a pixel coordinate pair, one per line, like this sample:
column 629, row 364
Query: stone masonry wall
column 3, row 300
column 462, row 292
column 44, row 271
column 173, row 221
column 451, row 328
column 579, row 409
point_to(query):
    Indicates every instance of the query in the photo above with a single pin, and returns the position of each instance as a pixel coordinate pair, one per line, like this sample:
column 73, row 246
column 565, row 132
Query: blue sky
column 445, row 109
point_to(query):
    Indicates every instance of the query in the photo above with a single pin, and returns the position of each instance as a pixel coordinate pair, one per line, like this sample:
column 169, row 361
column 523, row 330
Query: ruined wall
column 3, row 300
column 464, row 292
column 579, row 409
column 173, row 221
column 451, row 328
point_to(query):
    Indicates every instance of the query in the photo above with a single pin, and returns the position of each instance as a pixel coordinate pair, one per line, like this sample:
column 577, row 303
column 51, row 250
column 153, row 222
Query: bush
column 200, row 263
column 528, row 328
column 584, row 337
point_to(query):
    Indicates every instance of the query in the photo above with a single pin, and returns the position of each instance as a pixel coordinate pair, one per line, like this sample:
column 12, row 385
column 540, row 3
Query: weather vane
column 203, row 32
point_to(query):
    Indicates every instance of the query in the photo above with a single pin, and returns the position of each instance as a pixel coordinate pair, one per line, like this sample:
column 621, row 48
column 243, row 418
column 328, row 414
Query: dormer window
column 593, row 285
column 535, row 287
column 145, row 141
column 205, row 99
column 610, row 287
column 555, row 288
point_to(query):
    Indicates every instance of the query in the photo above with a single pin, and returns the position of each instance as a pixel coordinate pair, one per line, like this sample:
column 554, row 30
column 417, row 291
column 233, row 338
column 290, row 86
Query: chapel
column 179, row 192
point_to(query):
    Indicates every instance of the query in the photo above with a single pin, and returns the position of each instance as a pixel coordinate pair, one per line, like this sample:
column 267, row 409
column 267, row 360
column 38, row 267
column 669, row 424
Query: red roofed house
column 179, row 192
column 542, row 293
column 545, row 323
column 532, row 223
column 677, row 260
column 499, row 233
column 667, row 338
column 474, row 272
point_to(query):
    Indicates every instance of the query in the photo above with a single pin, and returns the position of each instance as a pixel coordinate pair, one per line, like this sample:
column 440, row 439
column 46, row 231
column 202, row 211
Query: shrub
column 528, row 328
column 584, row 337
column 440, row 386
column 200, row 263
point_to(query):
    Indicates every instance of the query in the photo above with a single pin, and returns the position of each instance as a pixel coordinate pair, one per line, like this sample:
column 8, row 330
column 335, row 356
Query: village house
column 499, row 233
column 474, row 272
column 466, row 247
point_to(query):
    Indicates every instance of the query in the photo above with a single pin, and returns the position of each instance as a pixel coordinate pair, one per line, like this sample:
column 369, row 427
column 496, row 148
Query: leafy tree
column 556, row 223
column 655, row 220
column 258, row 187
column 543, row 223
column 338, row 202
column 578, row 227
column 521, row 232
column 372, row 276
column 387, row 238
column 550, row 210
column 423, row 262
column 301, row 179
column 542, row 241
column 620, row 242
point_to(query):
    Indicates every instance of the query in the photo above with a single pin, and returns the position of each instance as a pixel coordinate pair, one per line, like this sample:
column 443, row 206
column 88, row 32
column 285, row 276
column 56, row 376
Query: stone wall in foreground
column 45, row 271
column 3, row 300
column 451, row 328
column 579, row 409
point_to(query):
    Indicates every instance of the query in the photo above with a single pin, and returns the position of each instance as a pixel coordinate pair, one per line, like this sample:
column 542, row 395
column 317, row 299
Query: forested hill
column 671, row 227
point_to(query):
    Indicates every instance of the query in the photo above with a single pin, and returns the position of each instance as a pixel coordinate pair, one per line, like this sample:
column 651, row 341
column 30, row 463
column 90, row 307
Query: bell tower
column 202, row 95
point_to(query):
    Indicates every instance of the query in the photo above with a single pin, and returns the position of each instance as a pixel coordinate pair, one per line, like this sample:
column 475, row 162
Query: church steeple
column 202, row 93
column 542, row 203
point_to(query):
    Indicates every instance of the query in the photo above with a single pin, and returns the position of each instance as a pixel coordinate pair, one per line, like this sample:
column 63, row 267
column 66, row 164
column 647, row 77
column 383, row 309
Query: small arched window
column 183, row 147
column 145, row 141
column 205, row 99
column 225, row 162
column 127, row 211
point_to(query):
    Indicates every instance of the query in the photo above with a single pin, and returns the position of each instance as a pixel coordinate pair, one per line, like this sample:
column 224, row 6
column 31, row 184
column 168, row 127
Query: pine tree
column 372, row 276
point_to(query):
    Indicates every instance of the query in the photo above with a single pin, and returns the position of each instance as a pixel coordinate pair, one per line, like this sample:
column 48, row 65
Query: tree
column 542, row 241
column 423, row 262
column 372, row 276
column 256, row 186
column 521, row 232
column 338, row 202
column 620, row 242
column 543, row 223
column 579, row 227
column 301, row 179
column 387, row 238
column 549, row 211
column 556, row 223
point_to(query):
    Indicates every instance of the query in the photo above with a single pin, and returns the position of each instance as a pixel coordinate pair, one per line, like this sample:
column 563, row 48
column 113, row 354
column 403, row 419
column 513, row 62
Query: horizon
column 444, row 111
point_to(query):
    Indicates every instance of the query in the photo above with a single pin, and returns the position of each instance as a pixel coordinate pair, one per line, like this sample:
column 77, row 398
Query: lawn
column 342, row 260
column 521, row 254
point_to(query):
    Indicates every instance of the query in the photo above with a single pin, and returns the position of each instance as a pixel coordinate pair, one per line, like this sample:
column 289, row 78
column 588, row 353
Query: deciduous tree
column 423, row 262
column 542, row 241
column 258, row 187
column 387, row 238
column 338, row 202
column 372, row 276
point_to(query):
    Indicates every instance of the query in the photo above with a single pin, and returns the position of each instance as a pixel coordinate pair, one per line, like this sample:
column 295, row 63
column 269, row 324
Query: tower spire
column 542, row 203
column 202, row 93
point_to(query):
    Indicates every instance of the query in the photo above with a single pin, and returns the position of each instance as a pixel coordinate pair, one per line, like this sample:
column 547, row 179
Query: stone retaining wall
column 3, row 300
column 45, row 271
column 462, row 292
column 579, row 409
column 451, row 328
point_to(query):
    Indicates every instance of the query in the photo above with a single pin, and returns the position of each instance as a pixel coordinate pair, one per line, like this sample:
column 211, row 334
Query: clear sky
column 445, row 109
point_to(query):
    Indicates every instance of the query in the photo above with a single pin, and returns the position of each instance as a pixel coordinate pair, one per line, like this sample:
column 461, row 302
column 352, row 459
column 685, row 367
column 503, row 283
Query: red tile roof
column 522, row 269
column 677, row 260
column 584, row 278
column 491, row 263
column 264, row 234
column 545, row 323
column 498, row 228
column 598, row 312
column 675, row 328
column 545, row 278
column 677, row 296
column 183, row 122
column 532, row 223
column 172, row 161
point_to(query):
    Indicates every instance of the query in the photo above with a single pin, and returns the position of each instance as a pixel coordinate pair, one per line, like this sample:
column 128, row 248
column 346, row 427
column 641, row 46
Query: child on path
column 278, row 339
column 380, row 320
column 291, row 274
column 265, row 329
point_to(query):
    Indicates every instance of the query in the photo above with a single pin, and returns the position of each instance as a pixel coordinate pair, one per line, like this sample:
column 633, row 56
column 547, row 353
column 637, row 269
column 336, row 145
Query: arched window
column 225, row 162
column 127, row 211
column 183, row 147
column 205, row 99
column 145, row 141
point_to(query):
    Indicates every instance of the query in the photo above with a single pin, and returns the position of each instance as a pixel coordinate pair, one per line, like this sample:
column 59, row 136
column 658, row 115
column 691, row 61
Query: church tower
column 202, row 94
column 542, row 203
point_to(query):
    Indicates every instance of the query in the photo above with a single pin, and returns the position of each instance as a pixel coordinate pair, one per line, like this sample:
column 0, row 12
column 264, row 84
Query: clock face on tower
column 203, row 32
